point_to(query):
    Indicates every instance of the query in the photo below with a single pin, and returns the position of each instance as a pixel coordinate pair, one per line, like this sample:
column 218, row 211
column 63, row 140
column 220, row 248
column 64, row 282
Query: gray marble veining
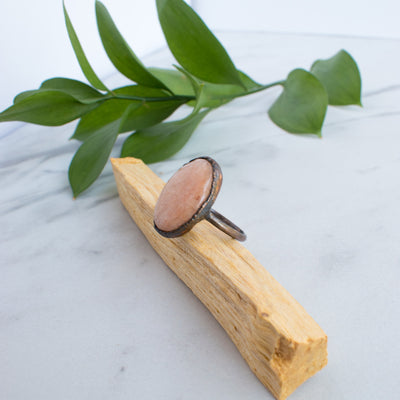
column 89, row 311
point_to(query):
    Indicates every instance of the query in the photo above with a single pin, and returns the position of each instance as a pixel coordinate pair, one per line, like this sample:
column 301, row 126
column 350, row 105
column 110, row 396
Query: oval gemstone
column 183, row 195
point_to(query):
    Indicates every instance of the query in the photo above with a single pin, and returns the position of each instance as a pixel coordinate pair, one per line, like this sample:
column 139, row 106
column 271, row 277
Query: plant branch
column 261, row 88
column 151, row 99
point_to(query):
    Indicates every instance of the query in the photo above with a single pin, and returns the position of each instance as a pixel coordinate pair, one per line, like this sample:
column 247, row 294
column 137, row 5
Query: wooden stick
column 281, row 343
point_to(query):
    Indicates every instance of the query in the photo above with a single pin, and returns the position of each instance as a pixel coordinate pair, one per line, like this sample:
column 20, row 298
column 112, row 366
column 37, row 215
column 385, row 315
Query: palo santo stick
column 281, row 343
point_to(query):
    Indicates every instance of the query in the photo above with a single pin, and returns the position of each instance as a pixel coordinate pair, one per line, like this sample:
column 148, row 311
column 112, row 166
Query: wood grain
column 281, row 343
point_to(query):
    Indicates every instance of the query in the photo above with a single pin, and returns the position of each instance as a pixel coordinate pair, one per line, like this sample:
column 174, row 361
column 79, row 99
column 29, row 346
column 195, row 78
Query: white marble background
column 89, row 311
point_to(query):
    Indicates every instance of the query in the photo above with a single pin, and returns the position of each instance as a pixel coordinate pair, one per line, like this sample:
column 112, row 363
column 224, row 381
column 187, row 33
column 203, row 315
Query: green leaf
column 111, row 110
column 194, row 46
column 249, row 83
column 140, row 91
column 210, row 94
column 143, row 115
column 24, row 95
column 92, row 156
column 149, row 114
column 119, row 52
column 203, row 98
column 79, row 90
column 161, row 141
column 196, row 83
column 80, row 55
column 302, row 105
column 217, row 95
column 340, row 77
column 46, row 107
column 174, row 80
column 105, row 114
column 179, row 83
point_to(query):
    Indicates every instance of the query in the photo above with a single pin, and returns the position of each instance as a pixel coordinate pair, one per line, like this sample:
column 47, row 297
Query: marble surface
column 89, row 311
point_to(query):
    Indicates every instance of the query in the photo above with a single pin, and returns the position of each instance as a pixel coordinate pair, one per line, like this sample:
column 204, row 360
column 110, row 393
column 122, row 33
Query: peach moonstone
column 183, row 195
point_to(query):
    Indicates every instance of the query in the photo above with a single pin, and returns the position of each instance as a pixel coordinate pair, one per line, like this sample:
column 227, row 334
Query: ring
column 187, row 199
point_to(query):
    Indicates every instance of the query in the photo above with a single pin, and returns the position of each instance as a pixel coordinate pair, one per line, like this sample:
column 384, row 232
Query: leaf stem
column 255, row 90
column 151, row 99
column 261, row 88
column 112, row 95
